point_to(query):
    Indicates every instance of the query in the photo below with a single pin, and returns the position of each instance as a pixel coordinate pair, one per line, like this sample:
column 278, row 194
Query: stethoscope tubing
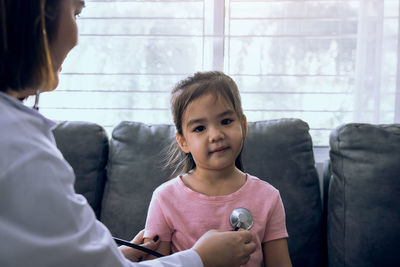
column 120, row 241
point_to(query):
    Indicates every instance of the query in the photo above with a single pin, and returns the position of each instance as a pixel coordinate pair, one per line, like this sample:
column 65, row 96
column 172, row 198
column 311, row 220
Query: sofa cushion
column 281, row 153
column 85, row 146
column 134, row 171
column 364, row 196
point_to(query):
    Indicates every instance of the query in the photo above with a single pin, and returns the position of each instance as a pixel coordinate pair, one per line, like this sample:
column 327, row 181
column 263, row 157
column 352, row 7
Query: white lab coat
column 43, row 222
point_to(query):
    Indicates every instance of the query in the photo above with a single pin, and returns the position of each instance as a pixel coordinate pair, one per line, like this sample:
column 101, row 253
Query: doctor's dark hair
column 186, row 91
column 27, row 29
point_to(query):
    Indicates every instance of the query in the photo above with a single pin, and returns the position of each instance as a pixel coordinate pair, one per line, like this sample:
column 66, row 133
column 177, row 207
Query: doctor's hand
column 134, row 254
column 232, row 248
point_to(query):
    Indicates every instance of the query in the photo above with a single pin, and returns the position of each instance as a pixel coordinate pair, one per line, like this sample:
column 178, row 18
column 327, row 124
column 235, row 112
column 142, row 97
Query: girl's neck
column 215, row 176
column 215, row 182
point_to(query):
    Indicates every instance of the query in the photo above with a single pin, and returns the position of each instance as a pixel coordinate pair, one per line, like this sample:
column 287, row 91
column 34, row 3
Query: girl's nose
column 215, row 134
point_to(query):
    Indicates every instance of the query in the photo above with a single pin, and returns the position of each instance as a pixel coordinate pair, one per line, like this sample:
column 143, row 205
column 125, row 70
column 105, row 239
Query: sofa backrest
column 281, row 153
column 364, row 196
column 278, row 151
column 134, row 170
column 85, row 146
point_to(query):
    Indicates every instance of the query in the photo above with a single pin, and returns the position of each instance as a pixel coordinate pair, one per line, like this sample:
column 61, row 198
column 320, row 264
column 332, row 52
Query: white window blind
column 327, row 62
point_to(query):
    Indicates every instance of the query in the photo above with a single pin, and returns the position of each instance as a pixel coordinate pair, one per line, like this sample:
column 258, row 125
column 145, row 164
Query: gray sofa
column 357, row 223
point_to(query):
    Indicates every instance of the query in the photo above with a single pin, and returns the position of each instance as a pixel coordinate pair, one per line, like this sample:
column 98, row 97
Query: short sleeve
column 156, row 223
column 276, row 224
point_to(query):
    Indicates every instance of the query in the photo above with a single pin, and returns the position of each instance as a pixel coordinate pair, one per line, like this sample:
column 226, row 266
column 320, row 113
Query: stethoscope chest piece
column 241, row 218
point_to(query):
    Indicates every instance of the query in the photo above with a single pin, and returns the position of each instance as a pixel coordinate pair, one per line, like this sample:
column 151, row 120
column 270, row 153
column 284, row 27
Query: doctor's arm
column 214, row 248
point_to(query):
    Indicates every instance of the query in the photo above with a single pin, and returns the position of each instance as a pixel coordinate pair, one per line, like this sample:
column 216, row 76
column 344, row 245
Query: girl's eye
column 226, row 121
column 199, row 129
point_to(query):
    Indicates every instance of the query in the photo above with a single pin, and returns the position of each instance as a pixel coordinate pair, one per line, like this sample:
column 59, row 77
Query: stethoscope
column 240, row 218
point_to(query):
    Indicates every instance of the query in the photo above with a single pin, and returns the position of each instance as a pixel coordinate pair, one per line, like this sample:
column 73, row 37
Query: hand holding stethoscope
column 240, row 218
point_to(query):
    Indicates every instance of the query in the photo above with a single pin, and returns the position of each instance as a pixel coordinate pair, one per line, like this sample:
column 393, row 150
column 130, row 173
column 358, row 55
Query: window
column 327, row 62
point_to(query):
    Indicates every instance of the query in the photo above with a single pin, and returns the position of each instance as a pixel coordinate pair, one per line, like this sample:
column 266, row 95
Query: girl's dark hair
column 186, row 91
column 27, row 28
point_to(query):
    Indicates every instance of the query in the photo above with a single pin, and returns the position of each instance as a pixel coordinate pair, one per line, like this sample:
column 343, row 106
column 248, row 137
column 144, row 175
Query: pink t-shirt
column 181, row 215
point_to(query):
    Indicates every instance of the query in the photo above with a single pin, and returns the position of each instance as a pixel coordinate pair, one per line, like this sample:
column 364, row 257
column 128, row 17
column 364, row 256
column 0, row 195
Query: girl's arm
column 164, row 248
column 156, row 223
column 276, row 253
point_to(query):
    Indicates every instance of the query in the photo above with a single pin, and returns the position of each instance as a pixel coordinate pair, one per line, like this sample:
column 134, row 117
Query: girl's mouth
column 220, row 149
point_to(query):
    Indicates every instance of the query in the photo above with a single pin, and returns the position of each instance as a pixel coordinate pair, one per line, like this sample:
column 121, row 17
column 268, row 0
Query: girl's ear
column 180, row 139
column 244, row 126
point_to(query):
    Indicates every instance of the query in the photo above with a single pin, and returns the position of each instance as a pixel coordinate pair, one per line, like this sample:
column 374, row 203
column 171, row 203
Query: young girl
column 211, row 129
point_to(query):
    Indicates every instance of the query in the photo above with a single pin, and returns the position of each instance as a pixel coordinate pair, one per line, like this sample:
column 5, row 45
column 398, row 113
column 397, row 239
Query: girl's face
column 212, row 132
column 67, row 34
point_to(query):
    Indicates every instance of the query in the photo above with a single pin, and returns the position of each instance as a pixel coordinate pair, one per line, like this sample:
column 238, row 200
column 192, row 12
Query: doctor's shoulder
column 30, row 147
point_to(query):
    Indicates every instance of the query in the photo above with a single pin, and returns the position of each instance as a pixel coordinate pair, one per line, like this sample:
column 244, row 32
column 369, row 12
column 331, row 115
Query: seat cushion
column 281, row 153
column 364, row 196
column 85, row 146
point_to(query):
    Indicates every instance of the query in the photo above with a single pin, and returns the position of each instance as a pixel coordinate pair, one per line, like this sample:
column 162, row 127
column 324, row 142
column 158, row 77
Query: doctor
column 42, row 221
